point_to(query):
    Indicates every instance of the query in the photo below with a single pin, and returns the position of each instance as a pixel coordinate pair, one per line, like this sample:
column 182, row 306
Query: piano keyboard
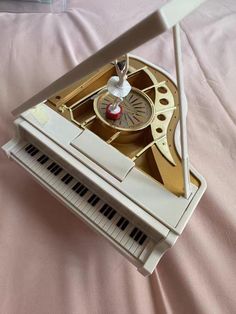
column 117, row 227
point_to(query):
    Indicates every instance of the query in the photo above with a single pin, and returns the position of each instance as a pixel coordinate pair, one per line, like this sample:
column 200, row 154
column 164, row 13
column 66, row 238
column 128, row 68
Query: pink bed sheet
column 50, row 262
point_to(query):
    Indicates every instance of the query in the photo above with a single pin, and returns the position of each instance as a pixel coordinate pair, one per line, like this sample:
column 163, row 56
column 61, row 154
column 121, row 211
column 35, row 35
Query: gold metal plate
column 137, row 110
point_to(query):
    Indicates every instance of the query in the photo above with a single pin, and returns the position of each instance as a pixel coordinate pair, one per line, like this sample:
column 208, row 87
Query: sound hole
column 161, row 117
column 162, row 90
column 164, row 101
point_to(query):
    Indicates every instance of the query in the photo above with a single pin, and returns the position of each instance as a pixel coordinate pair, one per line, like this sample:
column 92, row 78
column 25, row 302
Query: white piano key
column 49, row 177
column 71, row 194
column 113, row 226
column 32, row 162
column 82, row 201
column 120, row 236
column 147, row 249
column 20, row 154
column 96, row 216
column 109, row 223
column 85, row 207
column 128, row 244
column 94, row 209
column 25, row 157
column 88, row 207
column 53, row 178
column 122, row 232
column 43, row 172
column 140, row 248
column 73, row 197
column 130, row 241
column 66, row 193
column 38, row 167
column 59, row 184
column 106, row 224
column 76, row 198
column 126, row 236
column 104, row 219
column 102, row 222
column 115, row 232
column 133, row 248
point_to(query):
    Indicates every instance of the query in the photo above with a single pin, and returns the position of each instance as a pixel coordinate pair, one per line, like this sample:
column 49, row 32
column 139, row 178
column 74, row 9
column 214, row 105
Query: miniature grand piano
column 127, row 176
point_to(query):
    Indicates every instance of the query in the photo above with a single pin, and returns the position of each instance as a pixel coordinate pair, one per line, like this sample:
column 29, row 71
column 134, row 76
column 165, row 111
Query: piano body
column 124, row 178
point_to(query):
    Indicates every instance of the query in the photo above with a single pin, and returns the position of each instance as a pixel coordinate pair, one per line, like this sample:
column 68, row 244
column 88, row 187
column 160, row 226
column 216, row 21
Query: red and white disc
column 113, row 114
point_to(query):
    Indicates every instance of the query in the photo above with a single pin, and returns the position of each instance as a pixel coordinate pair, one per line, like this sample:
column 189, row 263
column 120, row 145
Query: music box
column 109, row 140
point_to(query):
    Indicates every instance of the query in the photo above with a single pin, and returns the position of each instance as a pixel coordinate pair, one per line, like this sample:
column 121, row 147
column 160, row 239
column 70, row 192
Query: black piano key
column 91, row 198
column 112, row 214
column 68, row 180
column 41, row 158
column 133, row 232
column 51, row 165
column 143, row 238
column 83, row 192
column 66, row 176
column 80, row 188
column 121, row 220
column 76, row 186
column 34, row 152
column 125, row 224
column 45, row 159
column 29, row 151
column 53, row 169
column 28, row 147
column 138, row 235
column 95, row 201
column 104, row 207
column 59, row 170
column 107, row 212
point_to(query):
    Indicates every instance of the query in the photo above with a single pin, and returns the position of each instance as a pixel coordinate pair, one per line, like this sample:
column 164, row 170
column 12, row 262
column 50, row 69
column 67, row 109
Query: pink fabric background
column 50, row 262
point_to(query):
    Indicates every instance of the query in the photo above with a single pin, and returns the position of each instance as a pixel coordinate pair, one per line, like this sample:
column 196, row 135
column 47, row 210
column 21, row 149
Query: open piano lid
column 153, row 25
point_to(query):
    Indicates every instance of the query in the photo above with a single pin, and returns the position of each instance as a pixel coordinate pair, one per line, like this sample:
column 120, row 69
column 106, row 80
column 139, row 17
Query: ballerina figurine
column 119, row 87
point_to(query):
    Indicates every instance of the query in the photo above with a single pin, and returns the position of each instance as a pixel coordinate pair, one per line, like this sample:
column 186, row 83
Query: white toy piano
column 109, row 140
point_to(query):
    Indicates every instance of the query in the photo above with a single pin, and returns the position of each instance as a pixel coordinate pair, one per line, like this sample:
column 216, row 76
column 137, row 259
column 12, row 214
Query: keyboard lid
column 104, row 155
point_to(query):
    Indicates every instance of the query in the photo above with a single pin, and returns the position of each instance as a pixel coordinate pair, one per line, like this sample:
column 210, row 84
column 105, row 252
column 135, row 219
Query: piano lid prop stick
column 152, row 26
column 183, row 115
